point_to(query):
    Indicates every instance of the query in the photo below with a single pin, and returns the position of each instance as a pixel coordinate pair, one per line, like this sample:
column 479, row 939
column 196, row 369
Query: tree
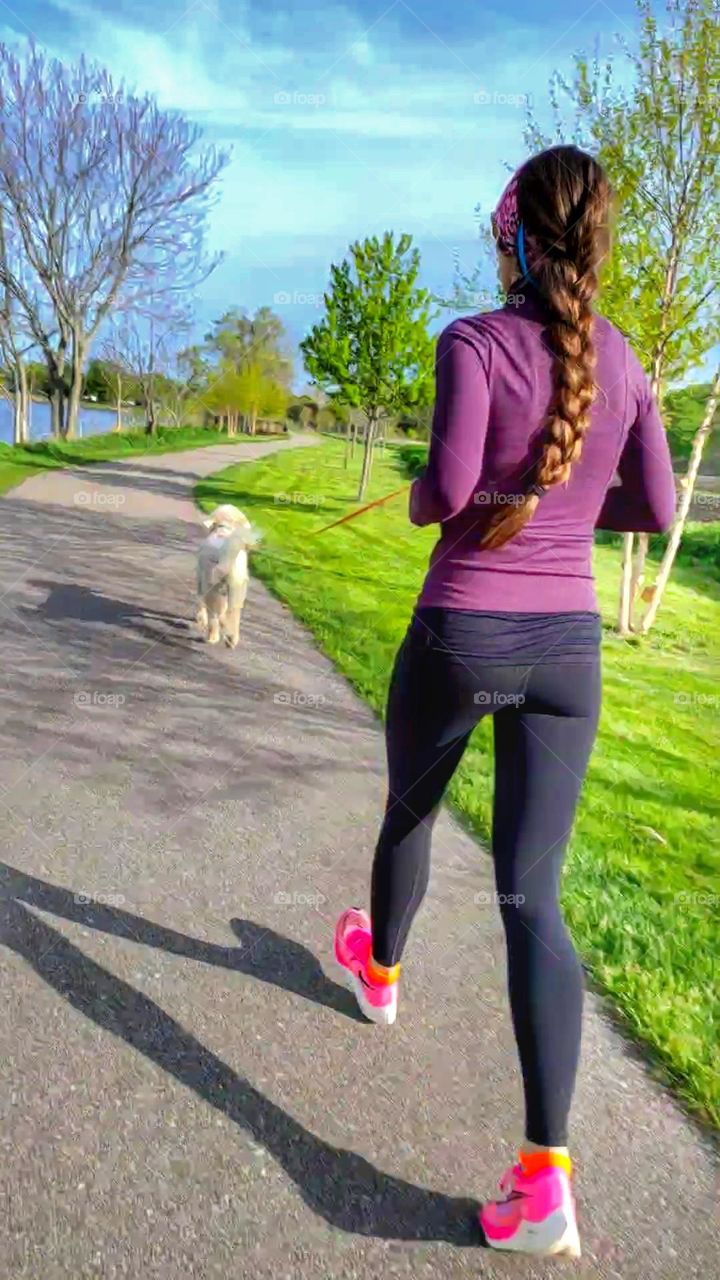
column 260, row 395
column 259, row 341
column 655, row 593
column 143, row 347
column 659, row 139
column 224, row 396
column 14, row 342
column 109, row 196
column 372, row 349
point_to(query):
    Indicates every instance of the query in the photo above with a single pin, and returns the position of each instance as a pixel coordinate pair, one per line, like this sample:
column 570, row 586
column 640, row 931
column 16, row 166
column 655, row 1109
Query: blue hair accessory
column 520, row 251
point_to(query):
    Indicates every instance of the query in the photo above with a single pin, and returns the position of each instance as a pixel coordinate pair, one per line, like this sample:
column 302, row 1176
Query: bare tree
column 13, row 346
column 143, row 345
column 108, row 194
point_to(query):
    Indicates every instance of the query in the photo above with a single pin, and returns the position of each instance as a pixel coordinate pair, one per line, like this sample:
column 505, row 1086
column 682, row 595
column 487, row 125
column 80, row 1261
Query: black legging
column 545, row 719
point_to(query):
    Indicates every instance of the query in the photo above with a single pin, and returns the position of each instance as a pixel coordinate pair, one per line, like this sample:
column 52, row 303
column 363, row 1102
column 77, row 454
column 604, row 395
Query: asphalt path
column 187, row 1091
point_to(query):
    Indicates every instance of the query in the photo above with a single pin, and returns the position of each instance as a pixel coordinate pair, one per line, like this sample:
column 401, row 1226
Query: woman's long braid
column 569, row 236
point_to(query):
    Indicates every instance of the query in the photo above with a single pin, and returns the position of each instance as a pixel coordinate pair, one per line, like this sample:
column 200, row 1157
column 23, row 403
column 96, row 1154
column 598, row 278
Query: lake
column 93, row 421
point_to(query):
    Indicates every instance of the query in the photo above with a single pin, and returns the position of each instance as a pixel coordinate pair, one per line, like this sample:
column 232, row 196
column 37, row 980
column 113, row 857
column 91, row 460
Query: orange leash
column 361, row 510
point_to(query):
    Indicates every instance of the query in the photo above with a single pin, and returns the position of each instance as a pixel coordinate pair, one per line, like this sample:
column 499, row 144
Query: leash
column 361, row 511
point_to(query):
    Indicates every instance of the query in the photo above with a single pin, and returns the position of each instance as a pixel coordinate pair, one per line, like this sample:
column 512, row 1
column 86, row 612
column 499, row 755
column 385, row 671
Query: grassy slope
column 19, row 462
column 641, row 887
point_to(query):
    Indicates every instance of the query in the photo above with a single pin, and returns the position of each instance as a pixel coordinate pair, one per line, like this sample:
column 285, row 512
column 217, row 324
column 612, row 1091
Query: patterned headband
column 505, row 219
column 510, row 235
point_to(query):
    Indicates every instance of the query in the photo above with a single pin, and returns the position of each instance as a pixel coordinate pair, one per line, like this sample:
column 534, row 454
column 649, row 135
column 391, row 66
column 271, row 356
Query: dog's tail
column 240, row 540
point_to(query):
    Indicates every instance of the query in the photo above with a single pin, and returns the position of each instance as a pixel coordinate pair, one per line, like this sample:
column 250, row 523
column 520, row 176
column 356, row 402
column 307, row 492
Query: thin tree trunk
column 687, row 486
column 118, row 425
column 637, row 580
column 150, row 418
column 57, row 410
column 625, row 581
column 20, row 404
column 633, row 576
column 370, row 432
column 73, row 404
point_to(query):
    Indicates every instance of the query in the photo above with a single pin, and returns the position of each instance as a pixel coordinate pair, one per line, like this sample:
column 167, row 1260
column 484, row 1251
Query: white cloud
column 339, row 128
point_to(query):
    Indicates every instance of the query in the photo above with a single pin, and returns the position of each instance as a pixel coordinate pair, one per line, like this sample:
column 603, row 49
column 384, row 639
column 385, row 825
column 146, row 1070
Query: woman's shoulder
column 472, row 330
column 610, row 338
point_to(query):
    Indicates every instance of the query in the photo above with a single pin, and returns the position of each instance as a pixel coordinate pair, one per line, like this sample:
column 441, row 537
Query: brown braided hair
column 563, row 199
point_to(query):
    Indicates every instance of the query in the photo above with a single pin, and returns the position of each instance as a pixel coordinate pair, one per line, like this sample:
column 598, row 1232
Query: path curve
column 187, row 1094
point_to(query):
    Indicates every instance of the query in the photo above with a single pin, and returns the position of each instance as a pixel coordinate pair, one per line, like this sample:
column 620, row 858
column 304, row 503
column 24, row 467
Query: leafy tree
column 259, row 341
column 372, row 349
column 684, row 411
column 224, row 396
column 655, row 593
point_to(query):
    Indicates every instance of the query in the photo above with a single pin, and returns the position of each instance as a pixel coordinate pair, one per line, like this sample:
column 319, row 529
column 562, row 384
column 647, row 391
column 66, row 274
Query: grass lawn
column 641, row 889
column 17, row 462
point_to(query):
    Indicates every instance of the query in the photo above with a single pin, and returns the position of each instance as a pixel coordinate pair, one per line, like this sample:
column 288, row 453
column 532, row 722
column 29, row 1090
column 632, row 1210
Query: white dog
column 222, row 574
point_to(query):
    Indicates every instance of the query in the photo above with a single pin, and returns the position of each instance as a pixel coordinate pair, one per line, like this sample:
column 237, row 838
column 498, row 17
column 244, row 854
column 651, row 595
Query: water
column 92, row 421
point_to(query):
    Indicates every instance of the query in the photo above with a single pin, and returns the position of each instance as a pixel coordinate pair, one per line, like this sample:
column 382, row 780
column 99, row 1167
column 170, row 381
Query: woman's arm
column 644, row 501
column 458, row 431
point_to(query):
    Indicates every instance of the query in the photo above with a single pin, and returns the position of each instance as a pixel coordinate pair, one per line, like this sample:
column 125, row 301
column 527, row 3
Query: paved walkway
column 187, row 1091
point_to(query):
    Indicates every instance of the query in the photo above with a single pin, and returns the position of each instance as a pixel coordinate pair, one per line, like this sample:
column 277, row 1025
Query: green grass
column 17, row 462
column 641, row 887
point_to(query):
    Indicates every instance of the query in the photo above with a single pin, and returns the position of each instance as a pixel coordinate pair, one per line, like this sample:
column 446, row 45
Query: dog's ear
column 211, row 520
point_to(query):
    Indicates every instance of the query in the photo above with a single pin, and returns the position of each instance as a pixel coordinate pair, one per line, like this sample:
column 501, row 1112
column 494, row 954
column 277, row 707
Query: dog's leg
column 216, row 600
column 201, row 617
column 237, row 594
column 213, row 635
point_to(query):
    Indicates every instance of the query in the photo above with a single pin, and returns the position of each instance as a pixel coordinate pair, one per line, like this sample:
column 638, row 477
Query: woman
column 540, row 407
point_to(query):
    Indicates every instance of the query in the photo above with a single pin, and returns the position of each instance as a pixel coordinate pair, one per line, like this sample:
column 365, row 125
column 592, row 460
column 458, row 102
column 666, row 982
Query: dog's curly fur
column 222, row 574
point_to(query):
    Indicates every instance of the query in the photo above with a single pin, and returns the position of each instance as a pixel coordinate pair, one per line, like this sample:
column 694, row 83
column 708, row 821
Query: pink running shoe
column 537, row 1214
column 353, row 946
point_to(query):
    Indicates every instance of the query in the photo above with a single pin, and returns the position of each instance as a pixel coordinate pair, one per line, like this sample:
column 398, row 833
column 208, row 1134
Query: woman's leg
column 431, row 711
column 541, row 752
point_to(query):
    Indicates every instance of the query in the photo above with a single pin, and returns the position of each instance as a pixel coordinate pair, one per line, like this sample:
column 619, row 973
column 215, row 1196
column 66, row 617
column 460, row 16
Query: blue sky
column 344, row 119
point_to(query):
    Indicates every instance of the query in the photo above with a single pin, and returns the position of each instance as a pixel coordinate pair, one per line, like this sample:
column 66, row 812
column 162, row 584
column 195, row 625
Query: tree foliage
column 372, row 349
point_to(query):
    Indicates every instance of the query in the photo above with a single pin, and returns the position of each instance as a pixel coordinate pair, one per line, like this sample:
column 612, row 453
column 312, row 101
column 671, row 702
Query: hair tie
column 536, row 491
column 520, row 252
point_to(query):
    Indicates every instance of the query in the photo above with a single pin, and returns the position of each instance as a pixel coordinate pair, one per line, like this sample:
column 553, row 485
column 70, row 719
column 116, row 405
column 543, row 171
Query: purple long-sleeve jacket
column 494, row 376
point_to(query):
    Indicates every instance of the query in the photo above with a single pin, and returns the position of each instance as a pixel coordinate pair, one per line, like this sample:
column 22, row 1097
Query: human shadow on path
column 262, row 953
column 343, row 1188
